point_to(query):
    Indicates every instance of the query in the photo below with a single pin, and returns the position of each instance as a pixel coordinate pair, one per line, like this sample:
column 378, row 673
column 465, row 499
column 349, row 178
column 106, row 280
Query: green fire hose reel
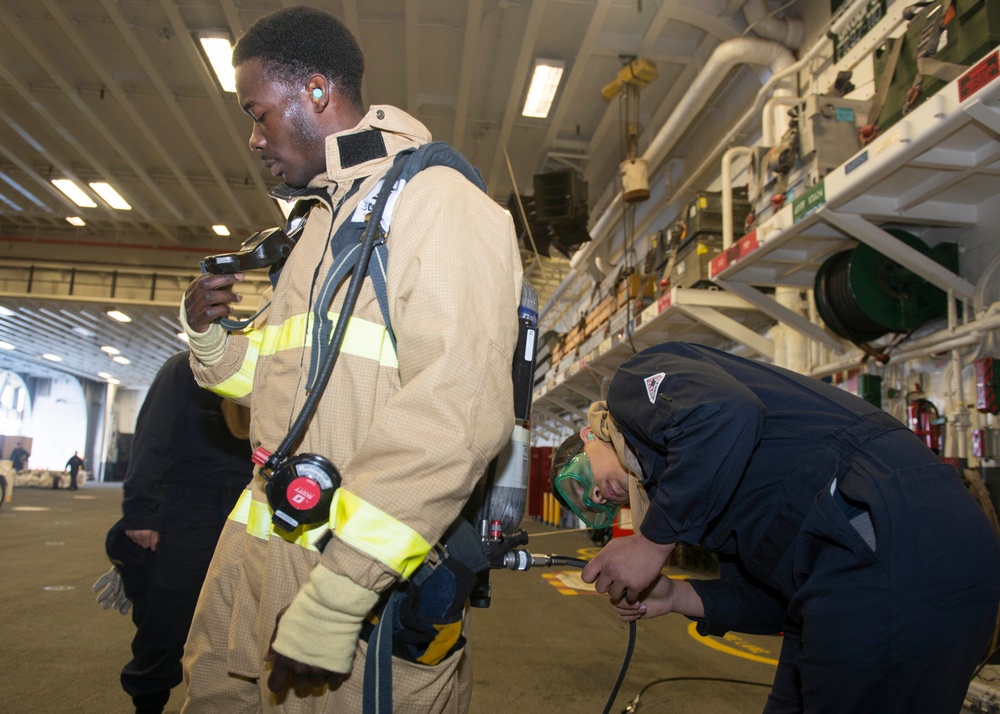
column 862, row 295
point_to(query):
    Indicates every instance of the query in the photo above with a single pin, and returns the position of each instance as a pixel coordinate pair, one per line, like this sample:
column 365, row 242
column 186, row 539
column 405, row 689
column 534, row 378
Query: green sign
column 857, row 26
column 808, row 202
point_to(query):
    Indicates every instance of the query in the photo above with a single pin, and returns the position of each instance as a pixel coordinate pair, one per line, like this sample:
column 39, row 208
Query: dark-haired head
column 296, row 42
column 570, row 447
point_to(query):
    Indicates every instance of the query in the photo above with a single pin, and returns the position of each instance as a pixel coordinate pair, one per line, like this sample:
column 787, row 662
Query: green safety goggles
column 574, row 485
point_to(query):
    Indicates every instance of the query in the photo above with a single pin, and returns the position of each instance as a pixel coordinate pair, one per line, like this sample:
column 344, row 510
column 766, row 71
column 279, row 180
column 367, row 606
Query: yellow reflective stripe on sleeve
column 376, row 533
column 241, row 384
column 256, row 516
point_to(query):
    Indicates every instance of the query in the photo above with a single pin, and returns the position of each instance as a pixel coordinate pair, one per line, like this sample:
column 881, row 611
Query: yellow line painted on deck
column 716, row 645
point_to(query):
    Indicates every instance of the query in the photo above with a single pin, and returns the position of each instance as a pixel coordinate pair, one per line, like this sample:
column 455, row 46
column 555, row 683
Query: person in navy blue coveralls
column 189, row 463
column 832, row 523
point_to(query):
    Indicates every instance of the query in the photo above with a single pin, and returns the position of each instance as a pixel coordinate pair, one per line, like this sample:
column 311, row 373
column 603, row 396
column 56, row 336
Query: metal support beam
column 730, row 328
column 770, row 307
column 894, row 249
column 552, row 417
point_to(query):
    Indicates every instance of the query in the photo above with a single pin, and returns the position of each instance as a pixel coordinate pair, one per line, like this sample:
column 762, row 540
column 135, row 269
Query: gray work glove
column 111, row 592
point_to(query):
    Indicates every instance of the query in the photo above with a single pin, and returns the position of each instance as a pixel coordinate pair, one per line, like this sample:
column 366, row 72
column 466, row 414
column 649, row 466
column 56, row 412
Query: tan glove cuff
column 321, row 626
column 207, row 346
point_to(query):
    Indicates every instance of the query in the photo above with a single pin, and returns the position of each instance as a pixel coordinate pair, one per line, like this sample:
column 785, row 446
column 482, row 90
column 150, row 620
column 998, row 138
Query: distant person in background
column 19, row 457
column 73, row 466
column 189, row 462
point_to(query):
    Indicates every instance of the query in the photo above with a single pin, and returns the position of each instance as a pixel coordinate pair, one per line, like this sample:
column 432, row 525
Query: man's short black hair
column 298, row 41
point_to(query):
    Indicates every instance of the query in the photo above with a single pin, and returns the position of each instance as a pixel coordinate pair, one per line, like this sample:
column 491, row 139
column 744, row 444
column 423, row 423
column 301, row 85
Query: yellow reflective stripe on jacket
column 256, row 516
column 241, row 384
column 362, row 339
column 376, row 533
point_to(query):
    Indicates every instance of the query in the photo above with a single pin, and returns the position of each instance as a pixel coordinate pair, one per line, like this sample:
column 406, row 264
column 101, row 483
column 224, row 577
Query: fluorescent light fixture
column 52, row 358
column 6, row 311
column 119, row 315
column 219, row 52
column 544, row 83
column 112, row 380
column 110, row 196
column 220, row 230
column 183, row 337
column 6, row 345
column 111, row 350
column 76, row 221
column 122, row 360
column 74, row 193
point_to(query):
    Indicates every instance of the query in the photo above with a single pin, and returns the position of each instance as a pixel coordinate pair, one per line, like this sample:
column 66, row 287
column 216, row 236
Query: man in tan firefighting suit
column 410, row 429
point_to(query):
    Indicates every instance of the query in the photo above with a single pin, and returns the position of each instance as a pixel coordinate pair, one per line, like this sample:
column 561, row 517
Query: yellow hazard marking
column 569, row 582
column 746, row 649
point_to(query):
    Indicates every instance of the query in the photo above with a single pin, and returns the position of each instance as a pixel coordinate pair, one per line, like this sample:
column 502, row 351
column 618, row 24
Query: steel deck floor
column 544, row 645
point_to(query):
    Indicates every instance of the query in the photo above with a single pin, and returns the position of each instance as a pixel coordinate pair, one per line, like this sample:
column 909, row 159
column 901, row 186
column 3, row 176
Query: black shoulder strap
column 347, row 237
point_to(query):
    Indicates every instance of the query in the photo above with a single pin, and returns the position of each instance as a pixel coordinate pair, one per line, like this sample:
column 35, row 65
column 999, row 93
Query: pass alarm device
column 261, row 250
column 299, row 488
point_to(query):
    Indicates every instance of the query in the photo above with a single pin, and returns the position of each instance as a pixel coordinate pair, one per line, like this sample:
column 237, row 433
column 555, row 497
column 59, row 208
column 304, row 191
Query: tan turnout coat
column 411, row 430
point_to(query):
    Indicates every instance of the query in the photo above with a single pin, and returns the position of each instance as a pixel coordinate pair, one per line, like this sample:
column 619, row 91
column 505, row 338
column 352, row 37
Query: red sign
column 740, row 249
column 978, row 77
column 664, row 302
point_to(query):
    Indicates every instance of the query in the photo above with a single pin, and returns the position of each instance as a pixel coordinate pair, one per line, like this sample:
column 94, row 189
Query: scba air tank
column 508, row 495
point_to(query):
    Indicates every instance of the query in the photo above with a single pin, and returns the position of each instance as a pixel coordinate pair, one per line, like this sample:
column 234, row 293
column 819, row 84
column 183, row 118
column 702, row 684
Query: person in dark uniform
column 19, row 457
column 831, row 521
column 189, row 461
column 73, row 466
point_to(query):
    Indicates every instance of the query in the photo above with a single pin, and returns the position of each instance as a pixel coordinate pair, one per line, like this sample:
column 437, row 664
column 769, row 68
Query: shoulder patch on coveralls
column 653, row 385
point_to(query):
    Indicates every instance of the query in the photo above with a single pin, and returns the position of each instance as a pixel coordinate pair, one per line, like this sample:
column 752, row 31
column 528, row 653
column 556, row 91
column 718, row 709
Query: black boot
column 151, row 703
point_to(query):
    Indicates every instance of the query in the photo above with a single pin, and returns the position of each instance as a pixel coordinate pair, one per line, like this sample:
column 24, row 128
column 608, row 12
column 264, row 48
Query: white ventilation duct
column 787, row 31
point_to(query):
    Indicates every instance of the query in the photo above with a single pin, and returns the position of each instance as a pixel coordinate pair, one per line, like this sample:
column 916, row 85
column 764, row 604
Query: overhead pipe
column 732, row 153
column 770, row 117
column 937, row 343
column 836, row 24
column 729, row 54
column 613, row 212
column 788, row 31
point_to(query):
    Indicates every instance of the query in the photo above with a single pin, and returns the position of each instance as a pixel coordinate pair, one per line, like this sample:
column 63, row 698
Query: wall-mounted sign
column 857, row 27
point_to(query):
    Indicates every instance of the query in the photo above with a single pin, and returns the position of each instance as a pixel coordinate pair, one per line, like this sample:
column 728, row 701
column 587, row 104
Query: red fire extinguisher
column 923, row 420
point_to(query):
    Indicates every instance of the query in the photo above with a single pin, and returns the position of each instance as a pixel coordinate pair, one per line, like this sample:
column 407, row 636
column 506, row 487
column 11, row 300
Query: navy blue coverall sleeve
column 694, row 438
column 148, row 456
column 736, row 602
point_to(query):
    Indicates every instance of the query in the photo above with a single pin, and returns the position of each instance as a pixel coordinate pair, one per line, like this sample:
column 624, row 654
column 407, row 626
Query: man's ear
column 318, row 89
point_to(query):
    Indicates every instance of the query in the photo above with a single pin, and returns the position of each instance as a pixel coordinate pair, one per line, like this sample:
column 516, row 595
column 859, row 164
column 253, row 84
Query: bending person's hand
column 657, row 600
column 625, row 567
column 664, row 596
